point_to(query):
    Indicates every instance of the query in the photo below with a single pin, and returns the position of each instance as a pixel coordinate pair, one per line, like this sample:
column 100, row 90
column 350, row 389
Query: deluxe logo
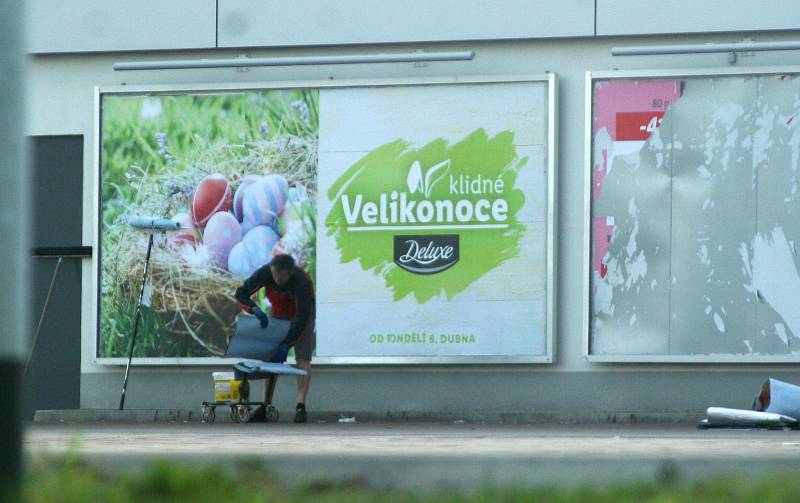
column 426, row 254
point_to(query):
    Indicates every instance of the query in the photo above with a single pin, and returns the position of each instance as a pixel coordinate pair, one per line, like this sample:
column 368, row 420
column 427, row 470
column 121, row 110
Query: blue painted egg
column 237, row 198
column 238, row 263
column 254, row 251
column 222, row 233
column 263, row 200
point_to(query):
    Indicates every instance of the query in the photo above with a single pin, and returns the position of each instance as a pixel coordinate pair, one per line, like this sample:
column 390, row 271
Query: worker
column 290, row 292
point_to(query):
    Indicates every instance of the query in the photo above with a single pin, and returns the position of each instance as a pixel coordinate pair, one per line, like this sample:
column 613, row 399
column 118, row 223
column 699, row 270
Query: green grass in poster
column 155, row 151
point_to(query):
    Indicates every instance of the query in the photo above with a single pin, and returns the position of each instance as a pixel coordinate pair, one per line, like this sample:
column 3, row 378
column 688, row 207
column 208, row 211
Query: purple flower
column 302, row 108
column 264, row 129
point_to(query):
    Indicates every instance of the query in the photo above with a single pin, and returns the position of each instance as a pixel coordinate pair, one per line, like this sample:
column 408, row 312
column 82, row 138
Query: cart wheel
column 233, row 413
column 208, row 414
column 272, row 414
column 205, row 411
column 243, row 413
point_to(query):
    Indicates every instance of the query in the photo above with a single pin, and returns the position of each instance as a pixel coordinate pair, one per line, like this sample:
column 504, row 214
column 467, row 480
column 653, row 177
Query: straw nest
column 191, row 298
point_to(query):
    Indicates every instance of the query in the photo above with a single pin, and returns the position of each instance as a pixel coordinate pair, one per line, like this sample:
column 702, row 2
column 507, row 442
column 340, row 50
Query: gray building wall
column 61, row 102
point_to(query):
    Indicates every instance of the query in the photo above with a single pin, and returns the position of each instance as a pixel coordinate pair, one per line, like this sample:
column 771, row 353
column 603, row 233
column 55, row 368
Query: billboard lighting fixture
column 651, row 50
column 182, row 64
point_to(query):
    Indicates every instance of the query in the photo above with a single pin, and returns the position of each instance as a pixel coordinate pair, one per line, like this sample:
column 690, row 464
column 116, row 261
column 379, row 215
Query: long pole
column 136, row 324
column 44, row 312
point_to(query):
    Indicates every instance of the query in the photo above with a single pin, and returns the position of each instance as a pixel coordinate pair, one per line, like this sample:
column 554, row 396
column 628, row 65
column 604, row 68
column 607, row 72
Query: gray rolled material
column 781, row 398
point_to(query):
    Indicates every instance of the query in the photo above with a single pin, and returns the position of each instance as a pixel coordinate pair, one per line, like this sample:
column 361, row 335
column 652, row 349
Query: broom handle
column 136, row 324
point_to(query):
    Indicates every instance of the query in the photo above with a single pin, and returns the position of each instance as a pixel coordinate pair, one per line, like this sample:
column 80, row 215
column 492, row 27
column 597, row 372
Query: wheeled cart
column 241, row 410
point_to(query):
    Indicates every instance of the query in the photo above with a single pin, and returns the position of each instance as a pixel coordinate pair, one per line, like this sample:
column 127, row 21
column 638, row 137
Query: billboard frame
column 549, row 79
column 610, row 75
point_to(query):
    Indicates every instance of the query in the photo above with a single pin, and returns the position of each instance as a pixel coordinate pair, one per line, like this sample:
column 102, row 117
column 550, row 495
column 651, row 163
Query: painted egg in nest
column 212, row 195
column 254, row 251
column 187, row 235
column 263, row 200
column 237, row 198
column 295, row 218
column 222, row 233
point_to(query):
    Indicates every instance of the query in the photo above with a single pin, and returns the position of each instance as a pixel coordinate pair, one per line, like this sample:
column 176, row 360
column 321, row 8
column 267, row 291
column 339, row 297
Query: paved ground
column 408, row 454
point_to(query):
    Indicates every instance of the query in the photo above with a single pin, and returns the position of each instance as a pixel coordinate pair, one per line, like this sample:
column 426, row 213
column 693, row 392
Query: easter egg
column 259, row 242
column 293, row 218
column 238, row 263
column 187, row 235
column 237, row 198
column 212, row 195
column 263, row 200
column 221, row 234
column 254, row 251
column 196, row 257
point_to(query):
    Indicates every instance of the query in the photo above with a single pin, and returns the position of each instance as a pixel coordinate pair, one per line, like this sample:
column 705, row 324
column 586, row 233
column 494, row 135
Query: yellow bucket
column 225, row 386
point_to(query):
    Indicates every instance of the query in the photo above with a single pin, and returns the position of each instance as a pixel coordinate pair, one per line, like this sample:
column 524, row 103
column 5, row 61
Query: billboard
column 422, row 211
column 694, row 216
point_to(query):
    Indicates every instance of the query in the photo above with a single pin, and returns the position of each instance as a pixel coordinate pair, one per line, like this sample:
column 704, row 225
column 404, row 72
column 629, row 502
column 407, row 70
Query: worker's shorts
column 307, row 342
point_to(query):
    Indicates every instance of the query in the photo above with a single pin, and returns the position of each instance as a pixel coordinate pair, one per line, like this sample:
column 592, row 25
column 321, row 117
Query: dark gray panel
column 53, row 378
column 714, row 209
column 57, row 190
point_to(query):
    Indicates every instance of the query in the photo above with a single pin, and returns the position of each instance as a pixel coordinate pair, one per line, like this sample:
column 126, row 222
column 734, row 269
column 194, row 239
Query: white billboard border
column 548, row 78
column 591, row 77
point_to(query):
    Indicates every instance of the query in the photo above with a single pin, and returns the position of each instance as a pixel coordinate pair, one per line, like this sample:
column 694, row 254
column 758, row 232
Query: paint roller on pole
column 153, row 225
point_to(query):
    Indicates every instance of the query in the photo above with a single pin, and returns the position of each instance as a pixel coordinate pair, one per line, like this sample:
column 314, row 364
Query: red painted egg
column 213, row 194
column 188, row 235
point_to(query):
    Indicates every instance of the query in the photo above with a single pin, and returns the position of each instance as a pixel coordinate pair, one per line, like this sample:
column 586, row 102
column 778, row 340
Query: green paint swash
column 469, row 186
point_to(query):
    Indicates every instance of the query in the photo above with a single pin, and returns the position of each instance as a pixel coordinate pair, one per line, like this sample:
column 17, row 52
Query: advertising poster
column 421, row 212
column 695, row 216
column 432, row 221
column 239, row 171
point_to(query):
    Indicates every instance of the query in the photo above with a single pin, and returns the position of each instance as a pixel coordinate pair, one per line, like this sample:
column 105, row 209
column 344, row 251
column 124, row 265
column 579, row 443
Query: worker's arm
column 250, row 286
column 305, row 305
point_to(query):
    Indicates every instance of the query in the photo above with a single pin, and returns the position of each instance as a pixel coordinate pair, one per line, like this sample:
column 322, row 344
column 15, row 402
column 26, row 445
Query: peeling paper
column 775, row 276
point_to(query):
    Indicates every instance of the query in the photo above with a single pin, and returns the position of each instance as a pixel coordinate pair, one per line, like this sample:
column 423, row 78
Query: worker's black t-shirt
column 291, row 301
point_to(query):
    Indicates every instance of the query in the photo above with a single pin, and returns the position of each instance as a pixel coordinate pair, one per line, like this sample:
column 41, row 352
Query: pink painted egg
column 187, row 235
column 263, row 200
column 221, row 234
column 237, row 198
column 212, row 195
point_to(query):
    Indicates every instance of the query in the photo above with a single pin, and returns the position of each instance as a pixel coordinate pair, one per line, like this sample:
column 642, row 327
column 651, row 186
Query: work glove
column 262, row 316
column 280, row 354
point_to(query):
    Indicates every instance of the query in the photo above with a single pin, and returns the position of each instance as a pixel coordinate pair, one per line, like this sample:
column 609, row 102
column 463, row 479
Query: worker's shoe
column 300, row 414
column 259, row 415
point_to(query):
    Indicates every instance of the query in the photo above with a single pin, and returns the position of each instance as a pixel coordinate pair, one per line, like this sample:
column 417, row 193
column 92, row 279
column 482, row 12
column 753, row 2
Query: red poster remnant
column 637, row 126
column 626, row 114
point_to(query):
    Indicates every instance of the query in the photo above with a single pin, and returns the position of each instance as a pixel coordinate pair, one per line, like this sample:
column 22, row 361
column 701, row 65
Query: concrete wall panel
column 634, row 17
column 117, row 25
column 245, row 23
